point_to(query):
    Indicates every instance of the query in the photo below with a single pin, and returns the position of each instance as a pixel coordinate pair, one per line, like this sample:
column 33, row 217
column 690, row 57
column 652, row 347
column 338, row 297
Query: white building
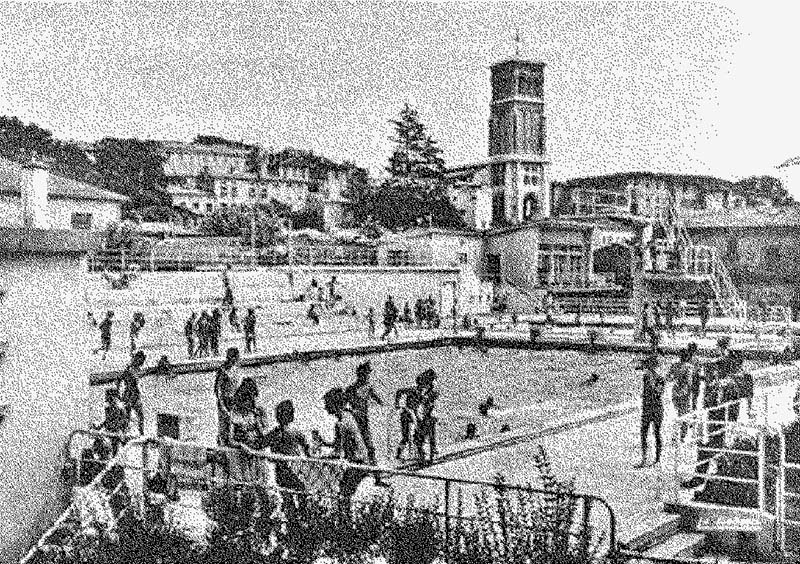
column 203, row 178
column 30, row 196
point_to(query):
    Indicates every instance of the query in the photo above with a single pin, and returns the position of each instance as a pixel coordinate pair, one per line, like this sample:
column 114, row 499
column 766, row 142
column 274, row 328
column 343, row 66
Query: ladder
column 725, row 292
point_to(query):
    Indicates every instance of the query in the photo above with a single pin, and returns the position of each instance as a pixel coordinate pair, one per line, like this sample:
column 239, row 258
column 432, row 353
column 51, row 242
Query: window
column 168, row 425
column 493, row 265
column 525, row 85
column 252, row 192
column 530, row 207
column 772, row 255
column 530, row 175
column 81, row 220
column 209, row 207
column 223, row 190
column 264, row 194
column 463, row 258
column 234, row 191
column 196, row 206
column 498, row 174
column 224, row 205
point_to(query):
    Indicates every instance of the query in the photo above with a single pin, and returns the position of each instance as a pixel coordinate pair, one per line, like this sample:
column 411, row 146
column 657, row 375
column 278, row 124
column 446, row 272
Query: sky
column 689, row 87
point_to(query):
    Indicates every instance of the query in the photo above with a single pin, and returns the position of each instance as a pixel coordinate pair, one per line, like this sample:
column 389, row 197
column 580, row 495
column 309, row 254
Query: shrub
column 413, row 535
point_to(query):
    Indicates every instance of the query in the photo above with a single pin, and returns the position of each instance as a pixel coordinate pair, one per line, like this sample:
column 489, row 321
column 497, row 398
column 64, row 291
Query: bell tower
column 517, row 141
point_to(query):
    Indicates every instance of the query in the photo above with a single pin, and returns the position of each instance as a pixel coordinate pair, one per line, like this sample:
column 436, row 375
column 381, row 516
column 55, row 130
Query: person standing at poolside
column 704, row 313
column 250, row 330
column 427, row 417
column 389, row 318
column 347, row 443
column 359, row 395
column 681, row 375
column 227, row 298
column 407, row 401
column 128, row 381
column 371, row 322
column 652, row 406
column 215, row 333
column 137, row 323
column 247, row 432
column 233, row 319
column 224, row 387
column 105, row 334
column 188, row 332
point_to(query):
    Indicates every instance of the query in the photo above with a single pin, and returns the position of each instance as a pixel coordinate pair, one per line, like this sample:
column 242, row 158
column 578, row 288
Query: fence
column 216, row 258
column 512, row 517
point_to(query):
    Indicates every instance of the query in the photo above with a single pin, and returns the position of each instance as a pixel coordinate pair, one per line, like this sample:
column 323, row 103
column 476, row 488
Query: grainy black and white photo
column 319, row 282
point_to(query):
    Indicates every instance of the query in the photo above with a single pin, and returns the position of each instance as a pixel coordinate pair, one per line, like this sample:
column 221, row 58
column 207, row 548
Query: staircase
column 704, row 261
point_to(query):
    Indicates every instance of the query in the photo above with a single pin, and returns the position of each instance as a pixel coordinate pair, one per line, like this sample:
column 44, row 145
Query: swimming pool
column 530, row 387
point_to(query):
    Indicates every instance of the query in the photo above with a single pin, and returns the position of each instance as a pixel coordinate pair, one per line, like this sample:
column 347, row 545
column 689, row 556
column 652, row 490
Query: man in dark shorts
column 105, row 334
column 250, row 330
column 652, row 406
column 224, row 388
column 131, row 396
column 704, row 313
column 426, row 415
column 188, row 332
column 347, row 443
column 359, row 394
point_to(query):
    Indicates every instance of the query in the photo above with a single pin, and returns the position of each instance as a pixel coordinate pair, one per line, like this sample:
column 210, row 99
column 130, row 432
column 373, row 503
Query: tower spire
column 518, row 41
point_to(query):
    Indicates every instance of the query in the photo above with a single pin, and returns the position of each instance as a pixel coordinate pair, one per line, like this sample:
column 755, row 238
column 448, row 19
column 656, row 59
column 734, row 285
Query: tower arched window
column 530, row 207
column 525, row 85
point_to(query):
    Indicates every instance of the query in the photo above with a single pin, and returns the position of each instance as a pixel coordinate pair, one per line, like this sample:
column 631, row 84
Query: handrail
column 162, row 444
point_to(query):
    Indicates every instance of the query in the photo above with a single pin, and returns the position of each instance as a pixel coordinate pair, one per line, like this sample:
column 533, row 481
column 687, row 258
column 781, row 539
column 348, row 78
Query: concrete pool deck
column 599, row 455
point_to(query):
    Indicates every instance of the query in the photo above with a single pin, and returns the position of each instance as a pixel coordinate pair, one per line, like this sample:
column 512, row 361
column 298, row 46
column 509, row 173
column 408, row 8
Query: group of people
column 424, row 315
column 203, row 333
column 241, row 425
column 718, row 381
column 659, row 317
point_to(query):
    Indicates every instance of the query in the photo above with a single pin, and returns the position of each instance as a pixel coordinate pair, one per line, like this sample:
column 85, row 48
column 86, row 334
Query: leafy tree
column 417, row 192
column 216, row 140
column 134, row 168
column 360, row 194
column 756, row 188
column 237, row 221
column 20, row 142
column 415, row 155
column 312, row 216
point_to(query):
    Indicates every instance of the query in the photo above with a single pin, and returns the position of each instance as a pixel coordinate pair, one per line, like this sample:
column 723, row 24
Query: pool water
column 529, row 388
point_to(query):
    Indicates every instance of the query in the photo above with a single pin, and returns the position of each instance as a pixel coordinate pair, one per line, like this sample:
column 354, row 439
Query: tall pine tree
column 417, row 192
column 416, row 155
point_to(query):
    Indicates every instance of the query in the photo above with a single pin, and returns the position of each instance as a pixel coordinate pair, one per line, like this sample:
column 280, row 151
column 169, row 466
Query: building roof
column 744, row 218
column 12, row 173
column 197, row 148
column 429, row 231
column 710, row 182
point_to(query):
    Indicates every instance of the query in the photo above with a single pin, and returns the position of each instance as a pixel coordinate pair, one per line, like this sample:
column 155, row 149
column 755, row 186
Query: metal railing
column 700, row 260
column 156, row 259
column 453, row 502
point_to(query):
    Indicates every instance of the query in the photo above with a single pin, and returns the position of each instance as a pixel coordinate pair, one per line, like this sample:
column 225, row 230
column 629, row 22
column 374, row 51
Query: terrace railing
column 587, row 523
column 314, row 255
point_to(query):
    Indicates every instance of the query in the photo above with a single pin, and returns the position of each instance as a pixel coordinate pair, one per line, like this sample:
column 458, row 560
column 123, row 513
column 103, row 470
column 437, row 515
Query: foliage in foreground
column 257, row 525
